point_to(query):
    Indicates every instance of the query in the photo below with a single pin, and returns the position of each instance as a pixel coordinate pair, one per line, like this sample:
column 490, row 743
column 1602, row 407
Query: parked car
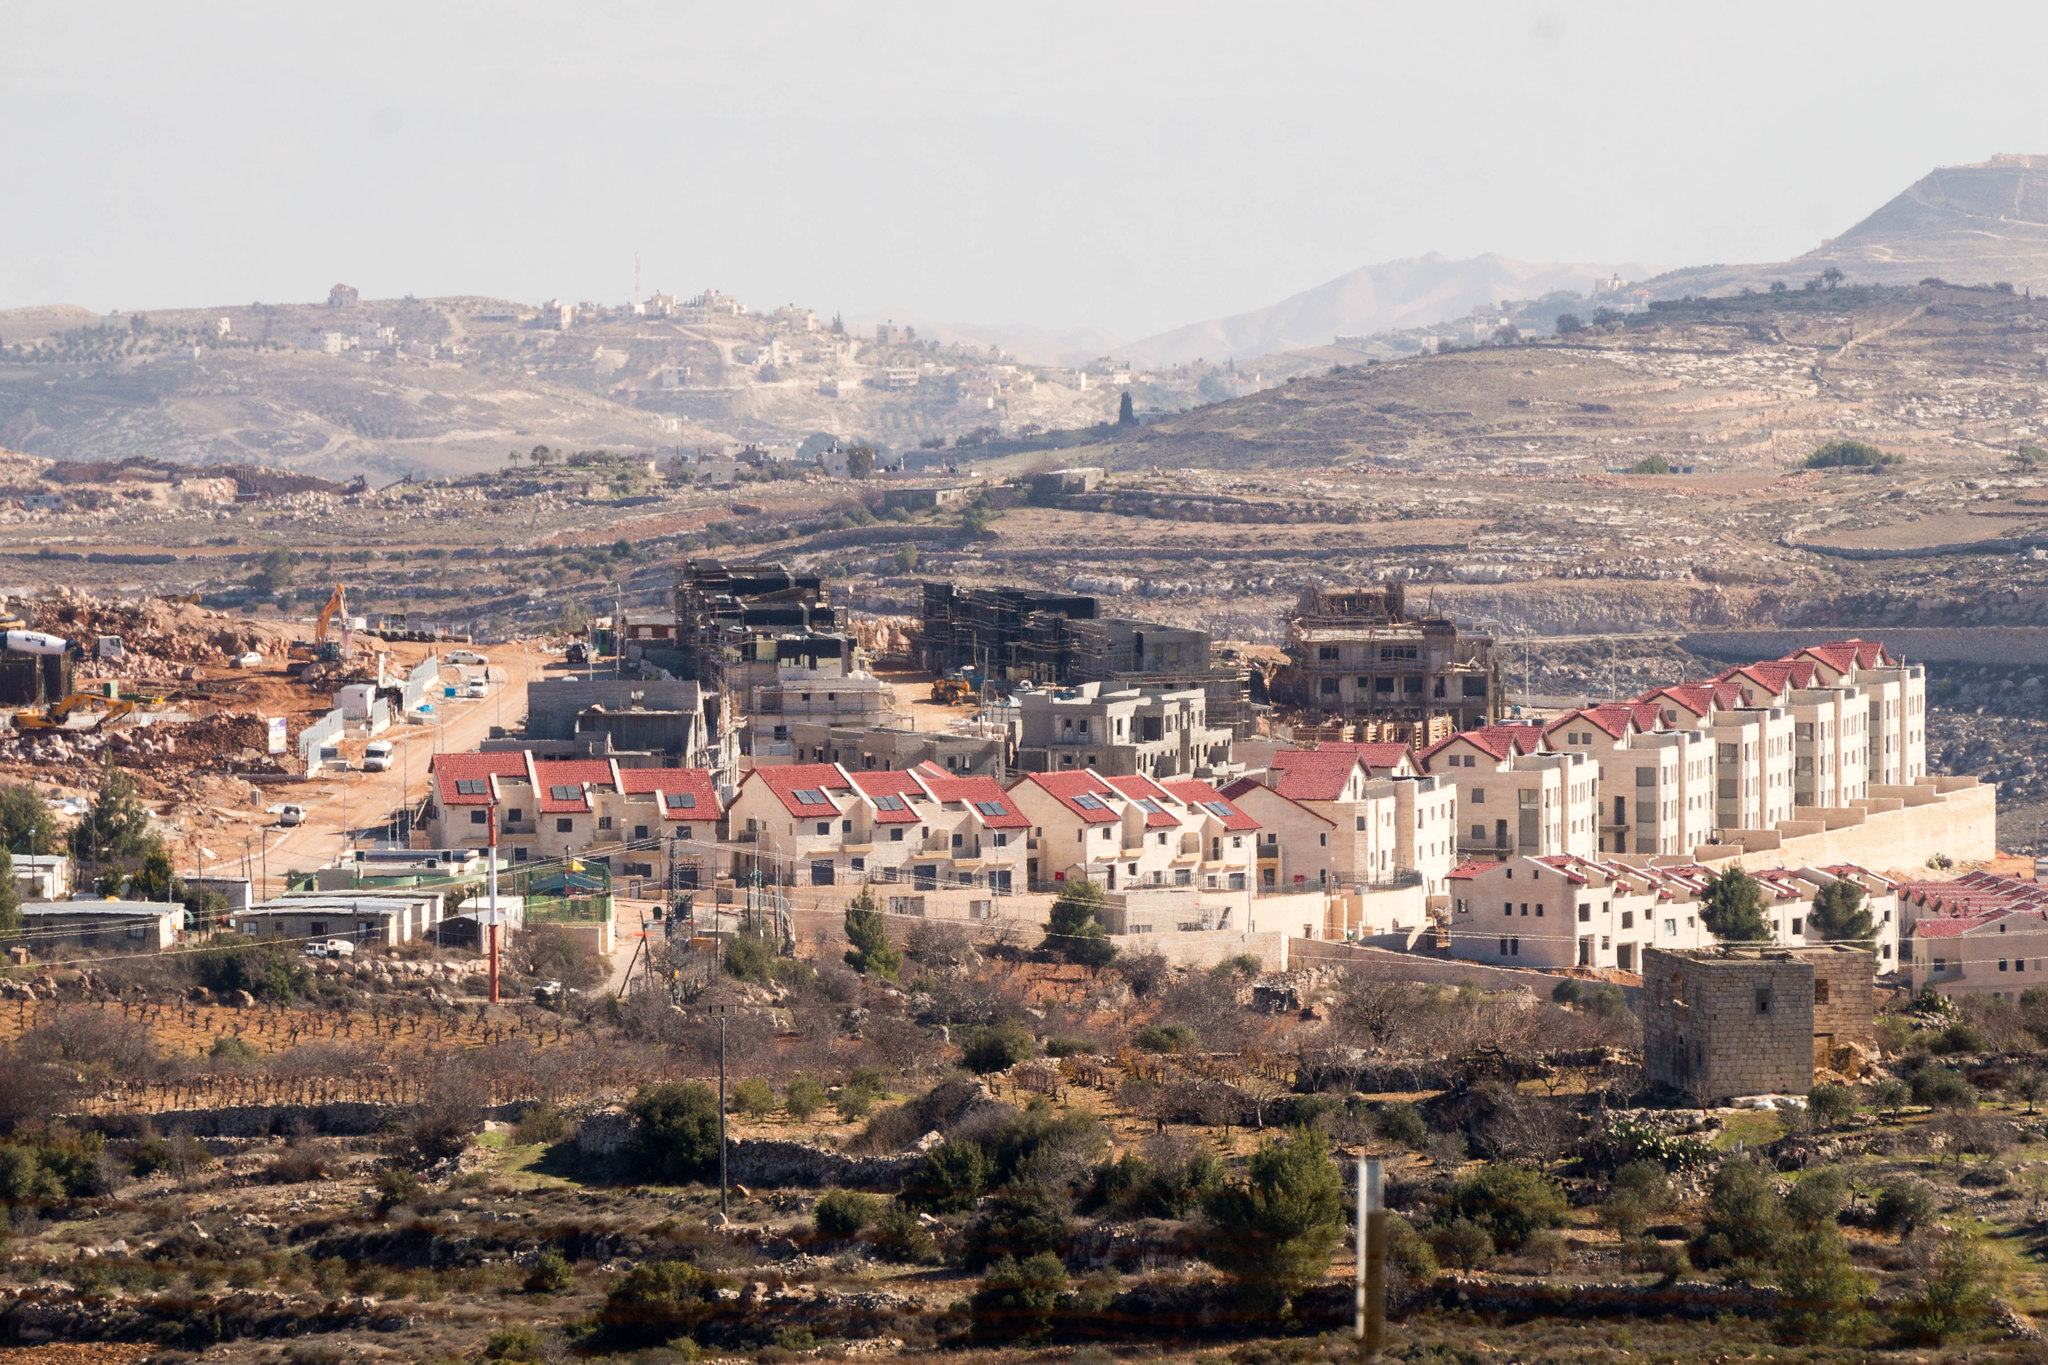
column 292, row 815
column 377, row 756
column 477, row 688
column 249, row 660
column 464, row 656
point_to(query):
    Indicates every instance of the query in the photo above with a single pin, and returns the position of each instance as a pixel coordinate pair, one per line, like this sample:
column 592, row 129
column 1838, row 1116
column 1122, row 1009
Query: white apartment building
column 1131, row 833
column 1157, row 732
column 1896, row 696
column 1514, row 797
column 1656, row 785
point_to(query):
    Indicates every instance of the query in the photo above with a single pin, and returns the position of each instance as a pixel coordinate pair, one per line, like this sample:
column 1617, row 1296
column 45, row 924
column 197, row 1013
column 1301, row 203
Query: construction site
column 1355, row 655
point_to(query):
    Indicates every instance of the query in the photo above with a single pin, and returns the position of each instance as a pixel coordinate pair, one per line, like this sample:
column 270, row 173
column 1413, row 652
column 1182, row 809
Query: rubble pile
column 157, row 635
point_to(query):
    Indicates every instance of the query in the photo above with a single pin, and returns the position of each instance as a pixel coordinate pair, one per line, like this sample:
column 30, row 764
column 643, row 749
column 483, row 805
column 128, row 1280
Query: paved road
column 370, row 798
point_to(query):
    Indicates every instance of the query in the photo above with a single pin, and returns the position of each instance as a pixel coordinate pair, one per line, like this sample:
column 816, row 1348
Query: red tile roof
column 671, row 783
column 1201, row 796
column 1143, row 790
column 1500, row 741
column 1614, row 718
column 822, row 778
column 548, row 774
column 449, row 769
column 1064, row 787
column 1242, row 790
column 1378, row 758
column 977, row 794
column 1465, row 872
column 1312, row 774
column 902, row 786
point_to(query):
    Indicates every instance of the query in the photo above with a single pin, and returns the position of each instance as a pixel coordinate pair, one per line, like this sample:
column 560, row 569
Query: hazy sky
column 1129, row 166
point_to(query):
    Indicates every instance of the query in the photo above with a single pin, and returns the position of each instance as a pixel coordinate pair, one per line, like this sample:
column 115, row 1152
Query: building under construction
column 739, row 626
column 1054, row 639
column 1355, row 654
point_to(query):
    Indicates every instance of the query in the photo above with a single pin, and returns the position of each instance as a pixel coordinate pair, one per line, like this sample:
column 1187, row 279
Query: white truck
column 377, row 756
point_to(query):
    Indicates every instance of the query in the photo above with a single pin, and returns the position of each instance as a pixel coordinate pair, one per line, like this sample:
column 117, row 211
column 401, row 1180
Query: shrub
column 24, row 1179
column 950, row 1178
column 1018, row 1223
column 394, row 1187
column 748, row 957
column 998, row 1048
column 658, row 1300
column 868, row 932
column 803, row 1097
column 1073, row 927
column 1817, row 1199
column 513, row 1343
column 1830, row 1104
column 265, row 973
column 1958, row 1037
column 898, row 1236
column 1959, row 1292
column 1273, row 1233
column 753, row 1097
column 1069, row 1047
column 541, row 1125
column 1165, row 1038
column 843, row 1213
column 1403, row 1123
column 1850, row 455
column 551, row 1273
column 1641, row 1190
column 1890, row 1096
column 1941, row 1087
column 1745, row 1217
column 675, row 1131
column 1016, row 1300
column 1407, row 1251
column 1903, row 1204
column 1820, row 1295
column 1462, row 1242
column 439, row 1125
column 1510, row 1202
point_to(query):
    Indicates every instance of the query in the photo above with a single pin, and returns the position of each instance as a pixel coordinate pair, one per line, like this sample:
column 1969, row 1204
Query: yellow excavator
column 323, row 648
column 59, row 714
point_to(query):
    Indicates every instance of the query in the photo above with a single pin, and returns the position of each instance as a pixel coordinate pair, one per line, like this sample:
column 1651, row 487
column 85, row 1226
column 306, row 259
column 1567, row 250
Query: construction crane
column 58, row 716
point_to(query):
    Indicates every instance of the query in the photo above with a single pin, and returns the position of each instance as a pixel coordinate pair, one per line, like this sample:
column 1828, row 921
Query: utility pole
column 493, row 913
column 1370, row 1273
column 721, row 1112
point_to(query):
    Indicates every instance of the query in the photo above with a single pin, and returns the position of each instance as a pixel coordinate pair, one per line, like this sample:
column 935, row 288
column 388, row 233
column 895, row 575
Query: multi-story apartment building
column 1514, row 796
column 1327, row 819
column 1895, row 694
column 1130, row 833
column 1552, row 913
column 648, row 822
column 1656, row 786
column 1157, row 733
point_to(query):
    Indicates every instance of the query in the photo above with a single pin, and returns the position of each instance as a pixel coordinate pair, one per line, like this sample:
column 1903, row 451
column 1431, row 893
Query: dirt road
column 368, row 800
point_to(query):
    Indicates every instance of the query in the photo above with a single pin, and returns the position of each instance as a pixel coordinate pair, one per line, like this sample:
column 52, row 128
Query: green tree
column 1126, row 415
column 1820, row 1294
column 154, row 880
column 1273, row 1232
column 1745, row 1219
column 1511, row 1202
column 675, row 1131
column 950, row 1178
column 906, row 559
column 1840, row 914
column 1016, row 1301
column 10, row 896
column 1074, row 929
column 1569, row 324
column 1651, row 464
column 1850, row 455
column 843, row 1213
column 868, row 932
column 803, row 1097
column 753, row 1097
column 116, row 826
column 1960, row 1290
column 1732, row 907
column 27, row 824
column 860, row 461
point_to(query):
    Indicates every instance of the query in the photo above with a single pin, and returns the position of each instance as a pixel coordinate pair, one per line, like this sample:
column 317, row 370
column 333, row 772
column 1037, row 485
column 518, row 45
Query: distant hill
column 1374, row 298
column 1975, row 224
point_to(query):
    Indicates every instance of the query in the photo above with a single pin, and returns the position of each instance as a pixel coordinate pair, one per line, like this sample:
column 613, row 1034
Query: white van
column 377, row 756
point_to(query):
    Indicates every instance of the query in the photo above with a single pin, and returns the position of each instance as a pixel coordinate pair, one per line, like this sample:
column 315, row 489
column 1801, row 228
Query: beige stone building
column 1730, row 1022
column 1515, row 795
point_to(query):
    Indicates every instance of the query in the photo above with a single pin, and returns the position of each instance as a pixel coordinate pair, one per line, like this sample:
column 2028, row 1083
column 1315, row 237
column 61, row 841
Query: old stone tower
column 1750, row 1020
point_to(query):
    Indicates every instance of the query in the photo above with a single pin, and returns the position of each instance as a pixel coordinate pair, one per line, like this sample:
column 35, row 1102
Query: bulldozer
column 324, row 647
column 955, row 689
column 58, row 716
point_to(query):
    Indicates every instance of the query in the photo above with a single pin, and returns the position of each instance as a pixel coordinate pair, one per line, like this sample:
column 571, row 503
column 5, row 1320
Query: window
column 479, row 817
column 896, row 835
column 1585, row 912
column 1763, row 1000
column 1507, row 907
column 604, row 822
column 824, row 827
column 639, row 831
column 565, row 825
column 1361, row 823
column 514, row 816
column 1479, row 796
column 1820, row 992
column 1628, row 919
column 1796, row 925
column 1671, row 928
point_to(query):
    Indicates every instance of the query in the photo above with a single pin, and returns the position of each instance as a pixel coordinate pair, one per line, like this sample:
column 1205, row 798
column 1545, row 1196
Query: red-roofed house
column 795, row 819
column 1517, row 796
column 1127, row 833
column 1558, row 912
column 1656, row 785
